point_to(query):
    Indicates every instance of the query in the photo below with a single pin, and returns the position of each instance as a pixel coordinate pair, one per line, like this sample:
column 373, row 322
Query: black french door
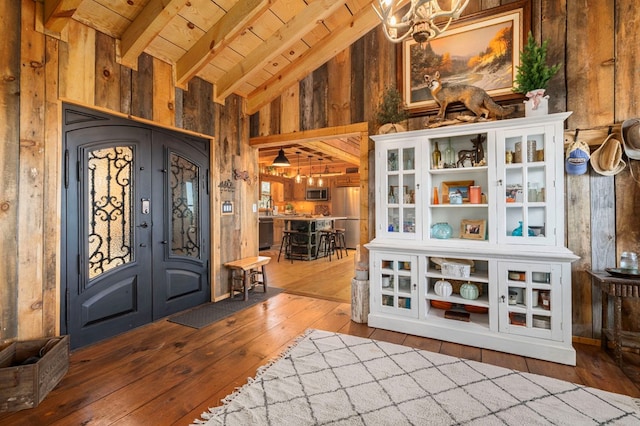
column 135, row 224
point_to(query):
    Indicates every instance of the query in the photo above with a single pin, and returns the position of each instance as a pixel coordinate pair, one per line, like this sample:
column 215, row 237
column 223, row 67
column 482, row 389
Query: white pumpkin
column 443, row 288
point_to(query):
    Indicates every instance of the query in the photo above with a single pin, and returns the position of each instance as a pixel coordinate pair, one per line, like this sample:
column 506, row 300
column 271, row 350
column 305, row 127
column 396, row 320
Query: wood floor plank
column 165, row 373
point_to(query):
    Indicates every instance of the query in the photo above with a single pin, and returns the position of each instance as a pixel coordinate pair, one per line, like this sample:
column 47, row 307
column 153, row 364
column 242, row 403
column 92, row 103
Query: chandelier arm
column 418, row 22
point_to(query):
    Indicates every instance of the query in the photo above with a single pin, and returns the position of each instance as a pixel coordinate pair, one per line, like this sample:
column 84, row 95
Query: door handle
column 142, row 245
column 143, row 225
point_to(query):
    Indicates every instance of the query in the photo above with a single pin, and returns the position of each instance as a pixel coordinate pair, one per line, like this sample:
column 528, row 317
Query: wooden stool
column 249, row 274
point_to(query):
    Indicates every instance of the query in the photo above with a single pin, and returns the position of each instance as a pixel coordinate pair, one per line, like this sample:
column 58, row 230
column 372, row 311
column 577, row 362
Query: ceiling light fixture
column 281, row 160
column 320, row 180
column 420, row 21
column 298, row 177
column 310, row 179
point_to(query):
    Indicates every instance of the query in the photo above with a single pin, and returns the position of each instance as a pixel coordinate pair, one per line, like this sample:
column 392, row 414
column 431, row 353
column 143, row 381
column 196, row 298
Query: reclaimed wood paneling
column 357, row 60
column 320, row 92
column 142, row 88
column 31, row 209
column 578, row 231
column 274, row 116
column 52, row 170
column 627, row 76
column 77, row 69
column 290, row 110
column 590, row 83
column 198, row 107
column 306, row 102
column 554, row 23
column 107, row 73
column 603, row 251
column 264, row 120
column 338, row 90
column 163, row 93
column 9, row 154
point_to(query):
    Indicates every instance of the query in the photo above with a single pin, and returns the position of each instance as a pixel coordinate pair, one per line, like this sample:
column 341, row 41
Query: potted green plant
column 391, row 112
column 533, row 75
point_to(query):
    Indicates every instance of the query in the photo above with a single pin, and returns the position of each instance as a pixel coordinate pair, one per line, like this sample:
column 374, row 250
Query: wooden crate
column 24, row 385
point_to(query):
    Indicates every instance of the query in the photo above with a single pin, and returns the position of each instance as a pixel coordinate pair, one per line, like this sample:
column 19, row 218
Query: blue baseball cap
column 577, row 158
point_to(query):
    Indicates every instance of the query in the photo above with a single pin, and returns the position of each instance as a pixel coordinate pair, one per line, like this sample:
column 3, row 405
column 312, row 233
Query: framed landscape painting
column 482, row 50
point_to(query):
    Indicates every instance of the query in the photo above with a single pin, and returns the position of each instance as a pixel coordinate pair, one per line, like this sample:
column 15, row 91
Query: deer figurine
column 475, row 155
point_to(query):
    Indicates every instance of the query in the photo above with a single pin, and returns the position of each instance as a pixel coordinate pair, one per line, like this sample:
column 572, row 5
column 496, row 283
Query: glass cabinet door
column 400, row 184
column 526, row 187
column 395, row 278
column 530, row 299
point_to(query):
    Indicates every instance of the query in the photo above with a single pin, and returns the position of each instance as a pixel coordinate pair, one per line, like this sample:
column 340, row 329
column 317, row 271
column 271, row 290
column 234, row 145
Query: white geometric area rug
column 335, row 379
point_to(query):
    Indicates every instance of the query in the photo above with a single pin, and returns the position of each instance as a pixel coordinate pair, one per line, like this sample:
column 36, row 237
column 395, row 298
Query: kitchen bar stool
column 340, row 240
column 328, row 243
column 286, row 245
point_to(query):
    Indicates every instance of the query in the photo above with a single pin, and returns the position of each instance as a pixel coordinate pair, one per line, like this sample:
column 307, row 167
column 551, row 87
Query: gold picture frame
column 461, row 185
column 455, row 53
column 473, row 229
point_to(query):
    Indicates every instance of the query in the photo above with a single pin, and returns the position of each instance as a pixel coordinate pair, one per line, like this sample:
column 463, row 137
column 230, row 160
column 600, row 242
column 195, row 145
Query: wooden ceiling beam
column 58, row 12
column 330, row 151
column 147, row 25
column 277, row 44
column 365, row 20
column 227, row 29
column 309, row 135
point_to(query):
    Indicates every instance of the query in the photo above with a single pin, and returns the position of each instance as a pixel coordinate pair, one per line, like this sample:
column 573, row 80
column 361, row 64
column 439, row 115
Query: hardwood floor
column 166, row 374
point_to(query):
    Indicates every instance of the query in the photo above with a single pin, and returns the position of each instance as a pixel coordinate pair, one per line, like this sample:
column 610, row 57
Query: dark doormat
column 203, row 315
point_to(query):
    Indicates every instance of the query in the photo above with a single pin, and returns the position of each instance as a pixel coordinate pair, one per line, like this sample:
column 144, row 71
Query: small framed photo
column 473, row 229
column 460, row 187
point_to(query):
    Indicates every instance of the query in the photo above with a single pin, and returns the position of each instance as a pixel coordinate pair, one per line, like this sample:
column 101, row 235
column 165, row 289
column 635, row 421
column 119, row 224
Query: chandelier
column 420, row 21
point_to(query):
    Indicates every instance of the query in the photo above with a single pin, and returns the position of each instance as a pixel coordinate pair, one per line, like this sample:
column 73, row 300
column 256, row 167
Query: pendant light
column 320, row 180
column 281, row 160
column 298, row 177
column 310, row 179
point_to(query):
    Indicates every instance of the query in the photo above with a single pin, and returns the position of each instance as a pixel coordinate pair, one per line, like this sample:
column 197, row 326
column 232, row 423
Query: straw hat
column 631, row 138
column 607, row 159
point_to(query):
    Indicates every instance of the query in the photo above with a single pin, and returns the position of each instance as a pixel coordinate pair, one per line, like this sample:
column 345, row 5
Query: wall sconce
column 419, row 21
column 281, row 160
column 298, row 177
column 310, row 179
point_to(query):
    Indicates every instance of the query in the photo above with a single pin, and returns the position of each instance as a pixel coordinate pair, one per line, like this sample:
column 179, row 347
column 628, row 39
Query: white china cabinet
column 477, row 209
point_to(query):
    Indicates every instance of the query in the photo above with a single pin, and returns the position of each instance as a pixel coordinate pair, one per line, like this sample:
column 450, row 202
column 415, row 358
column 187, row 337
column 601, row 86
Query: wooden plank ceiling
column 253, row 48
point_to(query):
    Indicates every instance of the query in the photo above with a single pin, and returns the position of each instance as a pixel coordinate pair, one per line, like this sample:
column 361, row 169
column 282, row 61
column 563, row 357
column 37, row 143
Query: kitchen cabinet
column 347, row 179
column 497, row 189
column 299, row 191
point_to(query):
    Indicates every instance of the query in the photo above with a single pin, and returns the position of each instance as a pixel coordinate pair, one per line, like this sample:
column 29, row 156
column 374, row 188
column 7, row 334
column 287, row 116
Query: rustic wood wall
column 598, row 47
column 596, row 41
column 38, row 73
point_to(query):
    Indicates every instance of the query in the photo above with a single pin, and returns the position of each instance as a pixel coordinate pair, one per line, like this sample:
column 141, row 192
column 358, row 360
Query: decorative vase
column 441, row 231
column 469, row 291
column 537, row 103
column 443, row 288
column 518, row 231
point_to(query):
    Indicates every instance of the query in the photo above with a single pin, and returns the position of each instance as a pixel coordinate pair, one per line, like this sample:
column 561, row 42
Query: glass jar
column 629, row 260
column 441, row 231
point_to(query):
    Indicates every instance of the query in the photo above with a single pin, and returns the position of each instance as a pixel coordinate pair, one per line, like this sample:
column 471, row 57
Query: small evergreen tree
column 533, row 72
column 391, row 109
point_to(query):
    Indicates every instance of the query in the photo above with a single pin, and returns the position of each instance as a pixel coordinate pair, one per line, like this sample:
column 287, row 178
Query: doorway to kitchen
column 135, row 224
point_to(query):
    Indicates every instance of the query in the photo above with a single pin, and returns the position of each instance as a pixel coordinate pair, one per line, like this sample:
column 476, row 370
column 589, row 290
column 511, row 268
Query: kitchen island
column 306, row 234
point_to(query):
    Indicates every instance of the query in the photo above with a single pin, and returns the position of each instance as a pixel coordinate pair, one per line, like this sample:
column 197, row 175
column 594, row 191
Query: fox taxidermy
column 474, row 98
